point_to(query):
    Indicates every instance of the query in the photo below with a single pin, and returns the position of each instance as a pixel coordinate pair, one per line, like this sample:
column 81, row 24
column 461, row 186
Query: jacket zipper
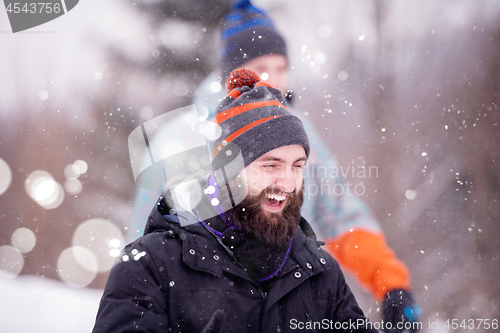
column 264, row 293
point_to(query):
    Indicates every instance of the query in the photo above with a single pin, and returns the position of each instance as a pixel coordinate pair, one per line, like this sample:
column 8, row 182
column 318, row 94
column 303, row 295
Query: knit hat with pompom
column 253, row 120
column 247, row 33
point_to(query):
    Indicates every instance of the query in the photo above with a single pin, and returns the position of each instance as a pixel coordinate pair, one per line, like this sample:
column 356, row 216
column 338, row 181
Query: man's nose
column 285, row 180
column 274, row 80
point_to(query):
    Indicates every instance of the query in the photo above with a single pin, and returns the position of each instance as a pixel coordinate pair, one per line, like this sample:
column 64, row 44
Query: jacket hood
column 166, row 212
column 162, row 215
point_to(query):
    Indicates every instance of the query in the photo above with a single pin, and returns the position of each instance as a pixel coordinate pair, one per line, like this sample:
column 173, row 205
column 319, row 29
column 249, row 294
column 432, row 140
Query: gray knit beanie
column 254, row 120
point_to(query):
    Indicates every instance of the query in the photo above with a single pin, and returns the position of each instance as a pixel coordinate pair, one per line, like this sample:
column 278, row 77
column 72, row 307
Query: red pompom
column 242, row 77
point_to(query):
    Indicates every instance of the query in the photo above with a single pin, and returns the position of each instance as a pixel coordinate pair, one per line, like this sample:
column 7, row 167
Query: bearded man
column 250, row 262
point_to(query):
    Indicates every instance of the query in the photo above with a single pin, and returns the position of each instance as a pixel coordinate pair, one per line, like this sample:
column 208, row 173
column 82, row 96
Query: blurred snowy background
column 410, row 89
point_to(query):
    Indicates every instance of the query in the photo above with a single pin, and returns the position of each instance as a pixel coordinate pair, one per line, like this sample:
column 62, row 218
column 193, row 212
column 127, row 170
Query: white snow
column 44, row 305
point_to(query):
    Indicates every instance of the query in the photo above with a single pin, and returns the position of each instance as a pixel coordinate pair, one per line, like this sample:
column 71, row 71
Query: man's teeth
column 279, row 197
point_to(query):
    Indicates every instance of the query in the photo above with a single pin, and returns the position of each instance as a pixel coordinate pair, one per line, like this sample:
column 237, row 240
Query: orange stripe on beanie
column 223, row 116
column 238, row 132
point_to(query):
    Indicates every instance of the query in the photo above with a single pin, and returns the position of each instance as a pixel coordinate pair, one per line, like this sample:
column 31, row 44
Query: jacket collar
column 203, row 251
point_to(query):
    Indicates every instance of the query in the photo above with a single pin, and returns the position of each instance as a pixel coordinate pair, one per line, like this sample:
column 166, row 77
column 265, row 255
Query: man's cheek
column 299, row 186
column 254, row 189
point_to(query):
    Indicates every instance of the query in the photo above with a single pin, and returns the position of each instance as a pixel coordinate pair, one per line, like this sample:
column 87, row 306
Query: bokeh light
column 320, row 57
column 42, row 188
column 343, row 75
column 411, row 194
column 190, row 118
column 171, row 147
column 5, row 176
column 187, row 195
column 146, row 113
column 81, row 165
column 103, row 238
column 73, row 186
column 11, row 261
column 210, row 130
column 215, row 86
column 71, row 171
column 77, row 266
column 43, row 94
column 23, row 239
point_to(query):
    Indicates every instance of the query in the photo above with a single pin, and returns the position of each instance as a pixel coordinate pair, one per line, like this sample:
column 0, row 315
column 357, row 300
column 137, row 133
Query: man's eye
column 299, row 166
column 269, row 166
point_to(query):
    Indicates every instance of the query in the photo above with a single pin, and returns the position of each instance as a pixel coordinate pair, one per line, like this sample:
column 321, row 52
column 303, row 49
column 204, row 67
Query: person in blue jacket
column 353, row 235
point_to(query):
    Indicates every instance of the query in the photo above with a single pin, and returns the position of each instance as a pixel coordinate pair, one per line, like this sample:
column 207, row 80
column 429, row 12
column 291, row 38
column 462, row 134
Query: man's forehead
column 266, row 60
column 286, row 153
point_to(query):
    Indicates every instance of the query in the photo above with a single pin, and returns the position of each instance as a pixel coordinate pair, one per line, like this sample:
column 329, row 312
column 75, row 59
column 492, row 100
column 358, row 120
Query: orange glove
column 374, row 264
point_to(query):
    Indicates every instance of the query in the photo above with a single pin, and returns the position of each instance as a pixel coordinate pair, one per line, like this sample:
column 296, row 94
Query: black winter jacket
column 174, row 279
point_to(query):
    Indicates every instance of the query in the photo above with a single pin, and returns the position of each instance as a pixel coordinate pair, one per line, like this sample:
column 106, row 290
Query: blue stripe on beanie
column 248, row 33
column 227, row 33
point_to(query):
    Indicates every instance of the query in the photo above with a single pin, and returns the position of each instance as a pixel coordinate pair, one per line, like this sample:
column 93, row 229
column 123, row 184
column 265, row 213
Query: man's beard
column 272, row 228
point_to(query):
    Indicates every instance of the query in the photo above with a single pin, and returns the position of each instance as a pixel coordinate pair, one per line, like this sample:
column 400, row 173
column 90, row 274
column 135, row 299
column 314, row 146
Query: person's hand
column 401, row 312
column 215, row 323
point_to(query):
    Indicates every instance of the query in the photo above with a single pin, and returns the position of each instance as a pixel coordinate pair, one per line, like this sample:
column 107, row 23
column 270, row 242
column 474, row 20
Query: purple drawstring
column 215, row 232
column 212, row 182
column 282, row 264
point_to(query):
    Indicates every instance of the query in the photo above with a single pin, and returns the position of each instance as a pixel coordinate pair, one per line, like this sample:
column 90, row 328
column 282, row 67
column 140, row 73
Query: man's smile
column 275, row 202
